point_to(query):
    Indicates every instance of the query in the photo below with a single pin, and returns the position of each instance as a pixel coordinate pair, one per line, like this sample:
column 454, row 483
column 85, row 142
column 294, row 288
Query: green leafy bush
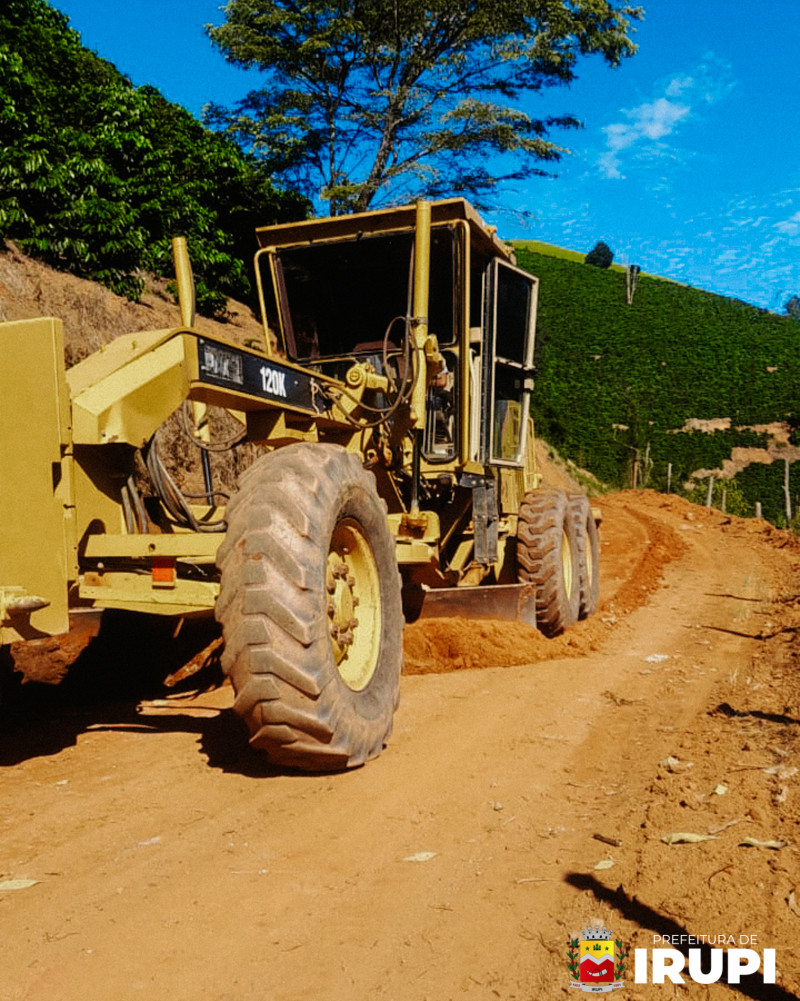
column 96, row 175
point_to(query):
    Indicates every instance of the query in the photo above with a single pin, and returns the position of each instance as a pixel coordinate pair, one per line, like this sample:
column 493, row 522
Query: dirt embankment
column 92, row 315
column 170, row 861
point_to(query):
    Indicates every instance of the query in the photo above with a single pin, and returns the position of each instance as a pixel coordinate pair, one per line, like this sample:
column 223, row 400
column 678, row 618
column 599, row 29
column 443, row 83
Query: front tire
column 547, row 556
column 310, row 608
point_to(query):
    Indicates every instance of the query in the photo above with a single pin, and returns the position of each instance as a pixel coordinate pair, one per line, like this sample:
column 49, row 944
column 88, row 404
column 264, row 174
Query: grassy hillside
column 97, row 175
column 616, row 383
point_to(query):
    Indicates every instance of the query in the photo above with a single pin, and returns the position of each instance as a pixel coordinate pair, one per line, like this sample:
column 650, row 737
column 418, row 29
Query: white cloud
column 790, row 226
column 750, row 251
column 609, row 165
column 713, row 79
column 642, row 137
column 647, row 123
column 659, row 117
column 678, row 84
column 741, row 246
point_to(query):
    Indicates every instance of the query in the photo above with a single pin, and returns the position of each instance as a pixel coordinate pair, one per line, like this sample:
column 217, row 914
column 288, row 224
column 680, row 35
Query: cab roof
column 400, row 217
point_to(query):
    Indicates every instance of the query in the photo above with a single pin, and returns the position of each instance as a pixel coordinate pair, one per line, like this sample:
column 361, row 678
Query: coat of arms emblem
column 596, row 960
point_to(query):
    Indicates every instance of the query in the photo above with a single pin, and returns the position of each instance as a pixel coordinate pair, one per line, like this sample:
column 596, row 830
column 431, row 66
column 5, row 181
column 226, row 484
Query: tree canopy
column 370, row 100
column 792, row 307
column 600, row 256
column 96, row 175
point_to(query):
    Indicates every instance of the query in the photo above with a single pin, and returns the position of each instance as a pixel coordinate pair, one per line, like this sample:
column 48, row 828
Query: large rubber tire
column 588, row 543
column 310, row 608
column 547, row 556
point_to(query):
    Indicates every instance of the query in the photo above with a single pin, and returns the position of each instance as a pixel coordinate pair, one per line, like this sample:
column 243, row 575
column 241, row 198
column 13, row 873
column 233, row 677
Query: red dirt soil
column 172, row 862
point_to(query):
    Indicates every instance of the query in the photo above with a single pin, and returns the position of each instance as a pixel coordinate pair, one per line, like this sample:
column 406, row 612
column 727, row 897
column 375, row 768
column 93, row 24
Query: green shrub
column 96, row 175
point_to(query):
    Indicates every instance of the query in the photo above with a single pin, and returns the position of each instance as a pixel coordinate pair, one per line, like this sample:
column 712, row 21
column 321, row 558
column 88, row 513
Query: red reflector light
column 162, row 569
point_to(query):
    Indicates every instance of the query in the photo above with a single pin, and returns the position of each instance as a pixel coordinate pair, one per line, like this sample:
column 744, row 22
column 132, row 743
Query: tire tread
column 543, row 518
column 271, row 606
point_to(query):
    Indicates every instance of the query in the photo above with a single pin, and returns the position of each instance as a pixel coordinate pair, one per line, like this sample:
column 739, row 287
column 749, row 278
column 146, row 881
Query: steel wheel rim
column 354, row 606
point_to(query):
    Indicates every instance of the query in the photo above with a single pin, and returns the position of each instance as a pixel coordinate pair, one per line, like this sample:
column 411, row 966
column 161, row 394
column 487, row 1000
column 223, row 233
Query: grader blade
column 509, row 602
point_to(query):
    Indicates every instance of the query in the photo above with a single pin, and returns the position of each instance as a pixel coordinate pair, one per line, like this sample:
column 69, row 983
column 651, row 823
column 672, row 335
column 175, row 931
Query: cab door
column 509, row 324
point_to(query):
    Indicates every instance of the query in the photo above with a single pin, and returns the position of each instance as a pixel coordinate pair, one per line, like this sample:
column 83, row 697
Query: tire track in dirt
column 635, row 550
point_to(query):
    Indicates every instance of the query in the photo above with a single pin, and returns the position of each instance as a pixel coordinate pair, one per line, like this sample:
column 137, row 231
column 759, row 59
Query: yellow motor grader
column 389, row 405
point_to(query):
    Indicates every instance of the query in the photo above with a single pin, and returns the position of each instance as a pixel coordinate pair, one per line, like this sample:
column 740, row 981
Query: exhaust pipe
column 184, row 279
column 186, row 304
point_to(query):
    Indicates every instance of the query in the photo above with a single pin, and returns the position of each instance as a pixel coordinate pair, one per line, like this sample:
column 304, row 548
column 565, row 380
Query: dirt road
column 172, row 863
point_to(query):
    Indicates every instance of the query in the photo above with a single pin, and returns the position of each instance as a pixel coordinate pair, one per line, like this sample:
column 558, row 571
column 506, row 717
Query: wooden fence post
column 786, row 492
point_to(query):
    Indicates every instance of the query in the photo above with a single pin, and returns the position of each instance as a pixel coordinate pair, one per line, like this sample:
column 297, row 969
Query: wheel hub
column 351, row 580
column 341, row 605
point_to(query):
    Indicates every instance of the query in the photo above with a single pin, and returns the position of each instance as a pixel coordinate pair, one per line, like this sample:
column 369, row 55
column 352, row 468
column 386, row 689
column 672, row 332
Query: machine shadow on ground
column 634, row 910
column 51, row 699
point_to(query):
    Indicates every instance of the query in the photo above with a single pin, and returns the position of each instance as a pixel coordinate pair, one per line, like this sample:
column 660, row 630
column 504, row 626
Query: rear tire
column 588, row 554
column 310, row 608
column 547, row 556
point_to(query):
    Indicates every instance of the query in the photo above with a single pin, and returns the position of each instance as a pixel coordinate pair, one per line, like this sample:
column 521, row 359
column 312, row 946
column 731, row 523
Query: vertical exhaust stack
column 184, row 279
column 419, row 334
column 419, row 321
column 186, row 303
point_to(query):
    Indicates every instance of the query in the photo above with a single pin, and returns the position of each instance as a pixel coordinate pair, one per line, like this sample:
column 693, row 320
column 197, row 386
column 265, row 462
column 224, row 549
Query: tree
column 792, row 307
column 600, row 256
column 369, row 100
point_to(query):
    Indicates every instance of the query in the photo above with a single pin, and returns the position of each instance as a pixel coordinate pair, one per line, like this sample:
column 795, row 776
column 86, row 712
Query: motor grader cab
column 389, row 402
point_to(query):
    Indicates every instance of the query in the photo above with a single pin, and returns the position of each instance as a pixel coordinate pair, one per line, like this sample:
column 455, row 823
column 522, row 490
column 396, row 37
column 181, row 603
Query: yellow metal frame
column 68, row 439
column 36, row 506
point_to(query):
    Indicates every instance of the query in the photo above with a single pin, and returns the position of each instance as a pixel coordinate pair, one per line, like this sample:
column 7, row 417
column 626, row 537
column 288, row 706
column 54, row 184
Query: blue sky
column 688, row 164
